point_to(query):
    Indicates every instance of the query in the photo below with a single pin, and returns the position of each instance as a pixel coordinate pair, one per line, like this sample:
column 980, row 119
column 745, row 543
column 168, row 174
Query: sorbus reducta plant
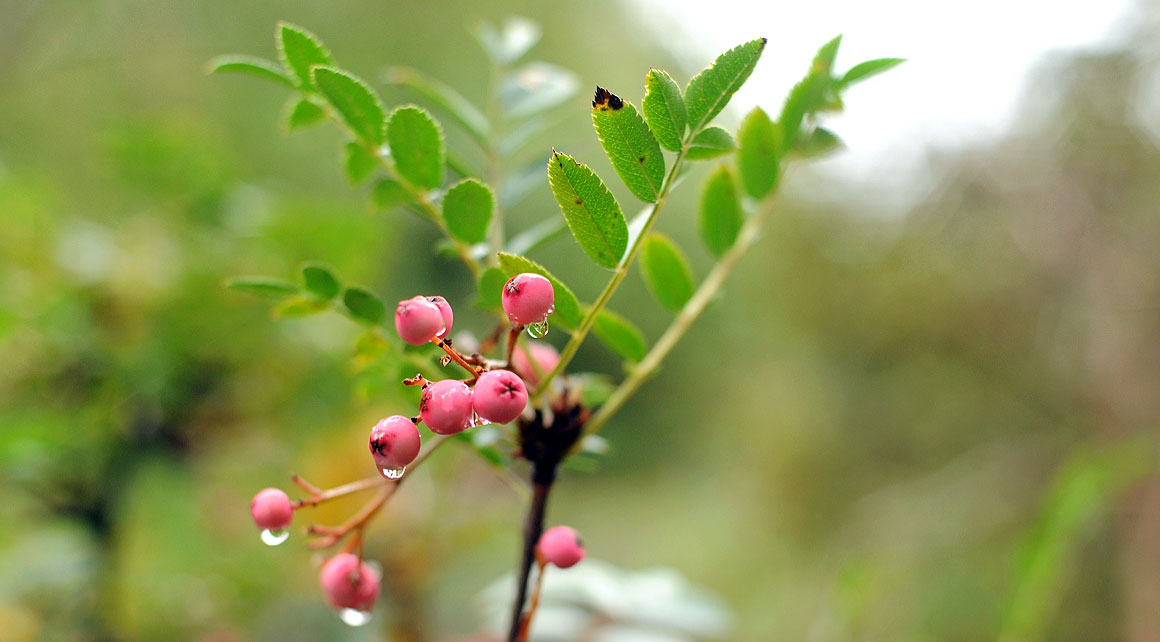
column 419, row 320
column 528, row 299
column 404, row 150
column 445, row 407
column 499, row 396
column 394, row 443
column 560, row 546
column 349, row 583
column 272, row 511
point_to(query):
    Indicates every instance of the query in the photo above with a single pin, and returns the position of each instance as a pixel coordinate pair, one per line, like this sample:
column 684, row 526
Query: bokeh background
column 925, row 408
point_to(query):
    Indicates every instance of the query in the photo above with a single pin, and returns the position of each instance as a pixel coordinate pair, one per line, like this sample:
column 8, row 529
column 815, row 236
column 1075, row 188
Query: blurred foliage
column 941, row 426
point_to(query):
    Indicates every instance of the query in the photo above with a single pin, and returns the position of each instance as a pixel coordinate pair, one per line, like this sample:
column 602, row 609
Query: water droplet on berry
column 551, row 310
column 275, row 537
column 354, row 617
column 538, row 330
column 393, row 473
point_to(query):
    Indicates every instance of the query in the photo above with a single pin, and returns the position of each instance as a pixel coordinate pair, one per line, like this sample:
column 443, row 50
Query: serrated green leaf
column 629, row 144
column 417, row 146
column 664, row 109
column 620, row 335
column 535, row 87
column 300, row 51
column 302, row 113
column 720, row 216
column 320, row 281
column 299, row 306
column 757, row 160
column 591, row 211
column 869, row 68
column 467, row 209
column 356, row 104
column 490, row 285
column 263, row 286
column 710, row 143
column 827, row 53
column 516, row 38
column 359, row 163
column 249, row 65
column 364, row 306
column 819, row 142
column 459, row 108
column 709, row 92
column 666, row 272
column 388, row 192
column 567, row 306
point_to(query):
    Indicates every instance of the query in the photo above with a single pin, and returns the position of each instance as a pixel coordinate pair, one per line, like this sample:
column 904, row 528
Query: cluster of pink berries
column 447, row 407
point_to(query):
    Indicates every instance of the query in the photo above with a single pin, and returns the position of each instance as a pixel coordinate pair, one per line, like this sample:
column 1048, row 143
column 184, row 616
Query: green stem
column 621, row 271
column 684, row 320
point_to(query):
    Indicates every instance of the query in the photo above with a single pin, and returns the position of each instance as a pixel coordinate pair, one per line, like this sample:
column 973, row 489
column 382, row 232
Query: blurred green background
column 937, row 424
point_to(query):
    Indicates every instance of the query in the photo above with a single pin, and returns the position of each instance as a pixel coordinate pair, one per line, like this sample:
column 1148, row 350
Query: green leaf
column 467, row 209
column 300, row 306
column 417, row 146
column 263, row 286
column 806, row 97
column 535, row 87
column 491, row 284
column 709, row 92
column 757, row 160
column 320, row 281
column 666, row 272
column 388, row 192
column 824, row 59
column 710, row 143
column 300, row 51
column 364, row 306
column 567, row 306
column 864, row 70
column 360, row 164
column 620, row 335
column 460, row 109
column 250, row 65
column 358, row 106
column 302, row 113
column 720, row 216
column 591, row 211
column 629, row 144
column 664, row 109
column 820, row 142
column 505, row 47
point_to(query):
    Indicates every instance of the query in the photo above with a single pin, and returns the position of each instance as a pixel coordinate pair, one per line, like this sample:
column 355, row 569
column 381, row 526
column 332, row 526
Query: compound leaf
column 664, row 109
column 417, row 146
column 709, row 92
column 467, row 209
column 591, row 211
column 666, row 272
column 629, row 144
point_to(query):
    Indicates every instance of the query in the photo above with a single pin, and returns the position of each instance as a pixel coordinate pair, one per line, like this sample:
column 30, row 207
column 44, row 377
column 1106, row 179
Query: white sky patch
column 966, row 64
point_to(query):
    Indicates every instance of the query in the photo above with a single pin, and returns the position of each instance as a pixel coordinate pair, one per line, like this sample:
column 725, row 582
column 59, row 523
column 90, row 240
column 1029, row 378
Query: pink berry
column 561, row 546
column 528, row 298
column 272, row 509
column 394, row 443
column 418, row 320
column 500, row 396
column 349, row 583
column 448, row 315
column 446, row 407
column 544, row 356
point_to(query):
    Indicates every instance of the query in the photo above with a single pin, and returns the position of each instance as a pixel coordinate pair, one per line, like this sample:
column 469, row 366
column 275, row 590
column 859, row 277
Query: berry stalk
column 533, row 528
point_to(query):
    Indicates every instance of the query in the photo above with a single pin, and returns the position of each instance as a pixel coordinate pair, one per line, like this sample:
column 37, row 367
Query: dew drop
column 393, row 473
column 551, row 310
column 275, row 537
column 354, row 617
column 538, row 330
